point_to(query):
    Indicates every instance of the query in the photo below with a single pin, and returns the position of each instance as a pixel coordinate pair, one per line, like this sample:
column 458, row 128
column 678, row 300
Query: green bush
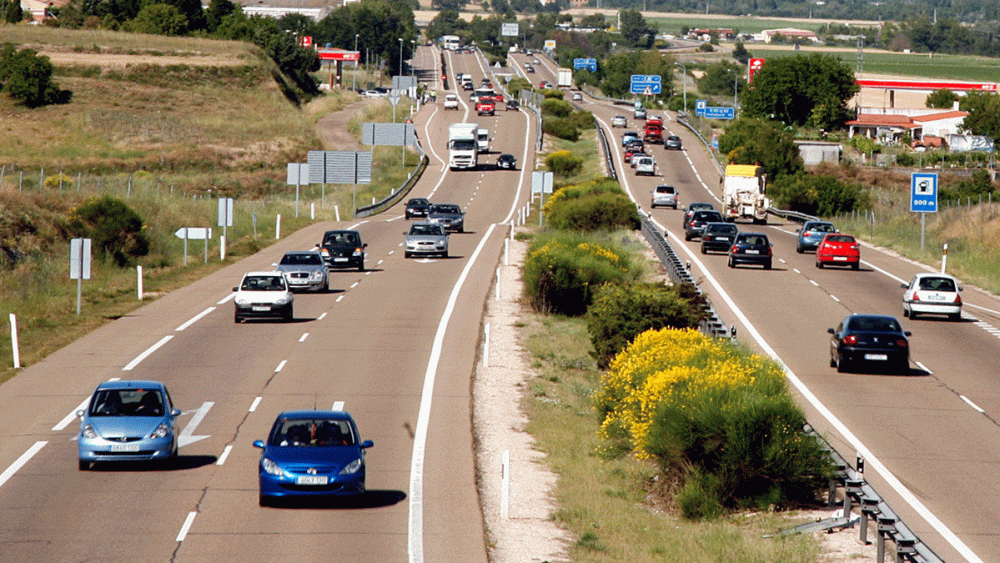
column 820, row 195
column 622, row 312
column 582, row 119
column 27, row 77
column 563, row 269
column 563, row 163
column 116, row 230
column 597, row 205
column 556, row 107
column 698, row 498
column 560, row 127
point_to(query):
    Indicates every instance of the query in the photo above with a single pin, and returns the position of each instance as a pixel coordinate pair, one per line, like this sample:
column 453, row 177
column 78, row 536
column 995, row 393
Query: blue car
column 312, row 454
column 128, row 421
column 811, row 233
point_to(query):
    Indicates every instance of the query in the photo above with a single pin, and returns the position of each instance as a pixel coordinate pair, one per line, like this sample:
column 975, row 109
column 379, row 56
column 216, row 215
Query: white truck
column 564, row 79
column 463, row 146
column 743, row 193
column 483, row 139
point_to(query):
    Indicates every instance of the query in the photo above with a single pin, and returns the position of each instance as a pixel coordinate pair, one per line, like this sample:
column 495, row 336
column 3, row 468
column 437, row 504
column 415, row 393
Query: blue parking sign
column 923, row 192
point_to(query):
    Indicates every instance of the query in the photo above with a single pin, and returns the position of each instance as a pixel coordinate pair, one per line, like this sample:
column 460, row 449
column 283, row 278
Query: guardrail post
column 869, row 510
column 886, row 525
column 904, row 546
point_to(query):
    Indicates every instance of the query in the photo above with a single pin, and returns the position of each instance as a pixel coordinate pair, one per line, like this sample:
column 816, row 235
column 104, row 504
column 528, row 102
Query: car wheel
column 289, row 316
column 819, row 265
column 703, row 250
column 264, row 500
column 955, row 317
column 652, row 206
column 903, row 368
column 444, row 254
column 767, row 265
column 799, row 249
column 361, row 266
column 833, row 362
column 687, row 237
column 913, row 315
column 856, row 266
column 83, row 465
column 841, row 365
column 731, row 263
column 237, row 318
column 906, row 314
column 675, row 207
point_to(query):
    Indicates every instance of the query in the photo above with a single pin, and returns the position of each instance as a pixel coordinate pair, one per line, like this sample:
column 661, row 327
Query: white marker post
column 138, row 281
column 944, row 257
column 13, row 341
column 277, row 227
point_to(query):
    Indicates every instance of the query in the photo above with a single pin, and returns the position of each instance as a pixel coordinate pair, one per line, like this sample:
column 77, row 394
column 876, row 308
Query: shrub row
column 597, row 205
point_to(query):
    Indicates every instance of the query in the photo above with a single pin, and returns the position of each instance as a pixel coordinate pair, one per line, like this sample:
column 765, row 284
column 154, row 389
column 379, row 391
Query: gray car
column 448, row 215
column 718, row 236
column 696, row 224
column 664, row 195
column 426, row 239
column 304, row 269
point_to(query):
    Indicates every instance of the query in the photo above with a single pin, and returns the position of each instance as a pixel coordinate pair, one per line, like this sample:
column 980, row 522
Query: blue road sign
column 923, row 192
column 699, row 107
column 585, row 64
column 646, row 84
column 713, row 112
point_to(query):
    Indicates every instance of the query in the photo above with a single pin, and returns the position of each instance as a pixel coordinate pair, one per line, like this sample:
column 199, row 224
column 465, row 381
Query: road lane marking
column 226, row 298
column 973, row 405
column 339, row 298
column 148, row 351
column 338, row 406
column 187, row 526
column 187, row 436
column 323, row 316
column 303, row 337
column 923, row 367
column 281, row 366
column 253, row 405
column 194, row 319
column 834, row 297
column 19, row 463
column 353, row 285
column 225, row 454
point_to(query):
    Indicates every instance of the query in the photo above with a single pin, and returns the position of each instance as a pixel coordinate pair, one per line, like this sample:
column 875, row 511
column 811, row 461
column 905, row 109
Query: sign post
column 923, row 198
column 647, row 84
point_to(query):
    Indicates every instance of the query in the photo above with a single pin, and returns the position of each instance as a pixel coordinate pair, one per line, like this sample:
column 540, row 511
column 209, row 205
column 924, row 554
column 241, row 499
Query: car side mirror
column 258, row 444
column 904, row 286
column 79, row 413
column 367, row 444
column 236, row 289
column 364, row 245
column 831, row 331
column 176, row 412
column 907, row 333
column 798, row 230
column 274, row 264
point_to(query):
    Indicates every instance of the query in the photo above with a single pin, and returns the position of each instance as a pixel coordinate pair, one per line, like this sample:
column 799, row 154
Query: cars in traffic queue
column 635, row 145
column 932, row 294
column 629, row 136
column 424, row 239
column 672, row 143
column 691, row 208
column 263, row 295
column 448, row 215
column 718, row 237
column 417, row 207
column 468, row 86
column 751, row 248
column 811, row 233
column 451, row 101
column 644, row 165
column 877, row 340
column 639, row 113
column 664, row 195
column 577, row 97
column 128, row 420
column 697, row 221
column 529, row 69
column 343, row 250
column 544, row 84
column 838, row 249
column 304, row 269
column 311, row 453
column 619, row 121
column 507, row 162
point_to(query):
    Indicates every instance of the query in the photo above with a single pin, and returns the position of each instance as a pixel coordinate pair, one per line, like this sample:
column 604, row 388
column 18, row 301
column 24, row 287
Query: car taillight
column 735, row 249
column 916, row 296
column 958, row 299
column 806, row 233
column 902, row 343
column 850, row 339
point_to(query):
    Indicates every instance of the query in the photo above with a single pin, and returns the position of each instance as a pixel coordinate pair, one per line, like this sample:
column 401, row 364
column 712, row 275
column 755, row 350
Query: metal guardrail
column 607, row 149
column 396, row 195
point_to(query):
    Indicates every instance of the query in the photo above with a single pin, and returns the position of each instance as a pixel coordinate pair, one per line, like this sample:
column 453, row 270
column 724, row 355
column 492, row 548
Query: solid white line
column 281, row 366
column 303, row 337
column 971, row 404
column 226, row 298
column 187, row 526
column 253, row 405
column 148, row 351
column 923, row 367
column 416, row 518
column 194, row 319
column 834, row 297
column 71, row 416
column 225, row 454
column 19, row 463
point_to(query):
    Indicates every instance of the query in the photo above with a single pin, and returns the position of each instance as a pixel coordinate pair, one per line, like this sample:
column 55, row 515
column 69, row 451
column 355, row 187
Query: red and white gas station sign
column 755, row 65
column 338, row 55
column 306, row 41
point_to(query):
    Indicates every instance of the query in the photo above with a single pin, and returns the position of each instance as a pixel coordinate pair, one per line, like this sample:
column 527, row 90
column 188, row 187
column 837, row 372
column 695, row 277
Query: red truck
column 653, row 132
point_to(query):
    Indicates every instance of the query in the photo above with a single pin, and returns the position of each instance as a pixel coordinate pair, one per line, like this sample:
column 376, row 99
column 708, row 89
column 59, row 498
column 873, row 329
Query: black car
column 513, row 104
column 417, row 207
column 750, row 248
column 343, row 249
column 699, row 218
column 507, row 162
column 672, row 143
column 718, row 237
column 691, row 208
column 873, row 339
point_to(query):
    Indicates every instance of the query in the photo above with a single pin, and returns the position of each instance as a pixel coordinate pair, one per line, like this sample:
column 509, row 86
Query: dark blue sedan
column 312, row 454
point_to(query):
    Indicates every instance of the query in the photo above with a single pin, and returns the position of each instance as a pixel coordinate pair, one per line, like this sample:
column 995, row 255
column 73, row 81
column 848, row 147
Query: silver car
column 664, row 195
column 448, row 215
column 426, row 239
column 304, row 270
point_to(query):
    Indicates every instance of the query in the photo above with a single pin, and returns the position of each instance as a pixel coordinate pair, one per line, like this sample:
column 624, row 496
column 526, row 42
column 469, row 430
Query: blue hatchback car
column 811, row 233
column 311, row 454
column 128, row 421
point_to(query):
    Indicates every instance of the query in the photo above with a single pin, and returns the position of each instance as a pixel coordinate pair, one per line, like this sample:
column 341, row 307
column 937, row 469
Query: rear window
column 721, row 228
column 665, row 189
column 937, row 284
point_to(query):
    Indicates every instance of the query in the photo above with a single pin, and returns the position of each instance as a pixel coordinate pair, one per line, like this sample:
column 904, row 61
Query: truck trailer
column 564, row 78
column 743, row 193
column 463, row 146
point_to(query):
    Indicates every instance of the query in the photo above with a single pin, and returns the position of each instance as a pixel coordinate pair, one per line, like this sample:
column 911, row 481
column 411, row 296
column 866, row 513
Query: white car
column 932, row 294
column 645, row 165
column 263, row 294
column 577, row 97
column 451, row 101
column 664, row 195
column 619, row 121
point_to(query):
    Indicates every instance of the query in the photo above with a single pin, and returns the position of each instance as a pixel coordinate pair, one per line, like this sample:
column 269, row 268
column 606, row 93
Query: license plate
column 935, row 297
column 340, row 259
column 840, row 258
column 124, row 447
column 876, row 357
column 753, row 252
column 311, row 480
column 261, row 308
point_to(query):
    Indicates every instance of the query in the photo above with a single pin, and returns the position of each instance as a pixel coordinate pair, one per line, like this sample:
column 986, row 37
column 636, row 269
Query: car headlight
column 358, row 251
column 242, row 301
column 353, row 467
column 88, row 432
column 162, row 431
column 270, row 467
column 317, row 275
column 282, row 301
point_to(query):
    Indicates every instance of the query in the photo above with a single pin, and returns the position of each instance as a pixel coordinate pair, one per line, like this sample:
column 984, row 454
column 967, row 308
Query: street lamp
column 400, row 71
column 355, row 77
column 684, row 84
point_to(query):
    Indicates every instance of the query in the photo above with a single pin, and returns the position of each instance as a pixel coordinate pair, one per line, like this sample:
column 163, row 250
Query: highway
column 930, row 438
column 394, row 346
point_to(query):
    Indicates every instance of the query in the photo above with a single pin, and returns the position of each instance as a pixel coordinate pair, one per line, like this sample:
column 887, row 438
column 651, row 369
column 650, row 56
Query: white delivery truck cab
column 483, row 139
column 463, row 146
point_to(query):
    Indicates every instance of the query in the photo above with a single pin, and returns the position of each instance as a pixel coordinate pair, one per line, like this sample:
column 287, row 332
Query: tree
column 217, row 10
column 12, row 12
column 721, row 79
column 741, row 54
column 635, row 30
column 768, row 144
column 788, row 90
column 941, row 99
column 160, row 19
column 447, row 22
column 984, row 113
column 448, row 4
column 27, row 77
column 594, row 21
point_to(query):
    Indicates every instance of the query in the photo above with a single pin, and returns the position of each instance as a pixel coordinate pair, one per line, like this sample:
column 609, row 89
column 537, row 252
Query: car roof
column 335, row 415
column 264, row 273
column 922, row 275
column 301, row 252
column 131, row 384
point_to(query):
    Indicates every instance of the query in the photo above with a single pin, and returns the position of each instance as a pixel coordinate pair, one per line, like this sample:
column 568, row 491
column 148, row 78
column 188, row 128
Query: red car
column 838, row 249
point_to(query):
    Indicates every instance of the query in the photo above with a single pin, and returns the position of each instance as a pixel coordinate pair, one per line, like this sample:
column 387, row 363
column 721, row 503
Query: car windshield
column 312, row 432
column 417, row 202
column 821, row 228
column 445, row 208
column 301, row 259
column 877, row 324
column 425, row 229
column 721, row 228
column 937, row 284
column 342, row 238
column 127, row 402
column 263, row 283
column 839, row 238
